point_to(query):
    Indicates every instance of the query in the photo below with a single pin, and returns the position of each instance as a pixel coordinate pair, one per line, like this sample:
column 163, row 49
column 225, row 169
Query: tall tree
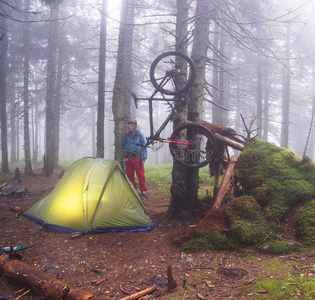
column 3, row 95
column 286, row 86
column 122, row 85
column 27, row 146
column 195, row 105
column 100, row 144
column 179, row 202
column 51, row 105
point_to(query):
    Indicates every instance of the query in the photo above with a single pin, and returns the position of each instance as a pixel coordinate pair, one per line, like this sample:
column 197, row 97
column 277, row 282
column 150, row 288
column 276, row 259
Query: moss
column 195, row 245
column 306, row 221
column 279, row 181
column 276, row 211
column 249, row 233
column 244, row 207
column 277, row 247
column 202, row 241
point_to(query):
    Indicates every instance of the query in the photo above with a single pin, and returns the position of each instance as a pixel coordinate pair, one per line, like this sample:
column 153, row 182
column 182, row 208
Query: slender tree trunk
column 49, row 161
column 266, row 106
column 286, row 86
column 27, row 146
column 195, row 106
column 100, row 124
column 222, row 116
column 57, row 112
column 13, row 128
column 259, row 100
column 122, row 85
column 215, row 74
column 3, row 96
column 178, row 203
column 238, row 106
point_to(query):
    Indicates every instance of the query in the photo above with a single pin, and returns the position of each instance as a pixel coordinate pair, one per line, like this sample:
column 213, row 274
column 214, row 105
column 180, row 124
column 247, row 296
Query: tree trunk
column 215, row 73
column 178, row 203
column 3, row 96
column 195, row 105
column 49, row 161
column 286, row 86
column 259, row 96
column 122, row 88
column 266, row 105
column 100, row 126
column 27, row 146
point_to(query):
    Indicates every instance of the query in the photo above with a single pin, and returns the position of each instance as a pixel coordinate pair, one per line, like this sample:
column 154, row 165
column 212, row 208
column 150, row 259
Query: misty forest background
column 67, row 69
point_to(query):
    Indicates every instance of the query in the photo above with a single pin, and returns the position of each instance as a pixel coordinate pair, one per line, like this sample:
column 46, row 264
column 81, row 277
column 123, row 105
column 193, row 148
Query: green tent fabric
column 93, row 195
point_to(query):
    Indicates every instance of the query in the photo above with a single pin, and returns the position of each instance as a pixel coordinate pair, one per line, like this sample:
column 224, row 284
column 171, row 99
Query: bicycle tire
column 193, row 157
column 163, row 80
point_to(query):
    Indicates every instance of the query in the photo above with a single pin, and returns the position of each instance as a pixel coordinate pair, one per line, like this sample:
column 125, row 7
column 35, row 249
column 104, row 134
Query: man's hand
column 125, row 159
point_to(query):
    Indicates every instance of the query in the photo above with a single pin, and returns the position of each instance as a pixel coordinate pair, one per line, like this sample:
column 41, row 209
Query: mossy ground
column 275, row 198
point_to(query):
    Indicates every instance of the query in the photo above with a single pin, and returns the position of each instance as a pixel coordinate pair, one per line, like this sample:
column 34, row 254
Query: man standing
column 135, row 155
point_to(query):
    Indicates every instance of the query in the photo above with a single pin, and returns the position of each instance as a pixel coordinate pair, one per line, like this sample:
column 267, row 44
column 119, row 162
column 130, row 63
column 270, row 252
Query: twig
column 123, row 290
column 184, row 295
column 25, row 293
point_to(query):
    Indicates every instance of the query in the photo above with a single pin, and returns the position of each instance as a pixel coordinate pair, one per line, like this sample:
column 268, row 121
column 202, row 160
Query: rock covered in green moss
column 202, row 241
column 279, row 181
column 246, row 223
column 306, row 222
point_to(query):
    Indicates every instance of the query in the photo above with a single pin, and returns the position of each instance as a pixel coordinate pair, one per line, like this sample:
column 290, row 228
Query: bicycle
column 191, row 144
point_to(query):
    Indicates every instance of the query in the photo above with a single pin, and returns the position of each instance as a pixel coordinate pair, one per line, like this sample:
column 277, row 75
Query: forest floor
column 110, row 264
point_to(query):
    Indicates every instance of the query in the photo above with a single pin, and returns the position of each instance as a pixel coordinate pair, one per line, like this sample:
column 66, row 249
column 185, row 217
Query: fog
column 282, row 40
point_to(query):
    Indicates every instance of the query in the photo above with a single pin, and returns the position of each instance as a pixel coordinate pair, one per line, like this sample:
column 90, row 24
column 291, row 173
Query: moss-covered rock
column 306, row 222
column 277, row 247
column 202, row 241
column 277, row 191
column 276, row 177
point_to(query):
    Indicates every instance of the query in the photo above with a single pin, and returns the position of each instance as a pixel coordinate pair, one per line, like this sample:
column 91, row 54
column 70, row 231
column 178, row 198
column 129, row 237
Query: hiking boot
column 144, row 194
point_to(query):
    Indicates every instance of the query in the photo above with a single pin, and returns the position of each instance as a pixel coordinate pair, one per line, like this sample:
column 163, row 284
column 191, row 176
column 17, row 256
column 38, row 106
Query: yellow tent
column 93, row 195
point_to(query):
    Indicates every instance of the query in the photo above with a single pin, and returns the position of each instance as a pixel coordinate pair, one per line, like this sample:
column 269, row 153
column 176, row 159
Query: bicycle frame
column 178, row 101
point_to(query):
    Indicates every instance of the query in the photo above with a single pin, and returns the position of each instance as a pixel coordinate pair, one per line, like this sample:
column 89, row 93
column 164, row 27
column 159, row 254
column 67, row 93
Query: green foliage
column 249, row 233
column 306, row 222
column 277, row 247
column 287, row 287
column 279, row 181
column 246, row 208
column 202, row 241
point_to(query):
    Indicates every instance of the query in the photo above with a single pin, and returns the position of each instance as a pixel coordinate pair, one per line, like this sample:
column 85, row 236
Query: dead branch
column 141, row 293
column 225, row 183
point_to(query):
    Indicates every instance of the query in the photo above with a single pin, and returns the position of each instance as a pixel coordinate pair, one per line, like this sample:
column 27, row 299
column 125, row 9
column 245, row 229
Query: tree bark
column 27, row 146
column 40, row 282
column 259, row 96
column 49, row 161
column 286, row 86
column 195, row 105
column 100, row 126
column 178, row 203
column 122, row 85
column 3, row 95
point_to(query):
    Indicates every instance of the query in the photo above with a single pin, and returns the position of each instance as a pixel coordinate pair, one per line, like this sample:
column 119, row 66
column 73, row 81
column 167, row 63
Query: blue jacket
column 130, row 147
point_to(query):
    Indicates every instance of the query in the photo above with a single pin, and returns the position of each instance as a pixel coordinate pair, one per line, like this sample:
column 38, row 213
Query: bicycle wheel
column 193, row 145
column 168, row 73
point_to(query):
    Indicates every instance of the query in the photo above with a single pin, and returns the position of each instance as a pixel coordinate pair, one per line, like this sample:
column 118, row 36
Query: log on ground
column 40, row 282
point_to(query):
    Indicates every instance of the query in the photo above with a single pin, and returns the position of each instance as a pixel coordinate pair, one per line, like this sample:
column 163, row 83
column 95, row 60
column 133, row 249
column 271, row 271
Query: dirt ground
column 111, row 264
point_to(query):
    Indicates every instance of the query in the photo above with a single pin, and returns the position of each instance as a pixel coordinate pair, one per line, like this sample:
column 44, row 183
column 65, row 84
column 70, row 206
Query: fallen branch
column 123, row 290
column 141, row 293
column 40, row 282
column 225, row 183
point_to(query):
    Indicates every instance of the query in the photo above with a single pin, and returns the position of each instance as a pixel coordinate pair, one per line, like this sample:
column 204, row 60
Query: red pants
column 131, row 167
